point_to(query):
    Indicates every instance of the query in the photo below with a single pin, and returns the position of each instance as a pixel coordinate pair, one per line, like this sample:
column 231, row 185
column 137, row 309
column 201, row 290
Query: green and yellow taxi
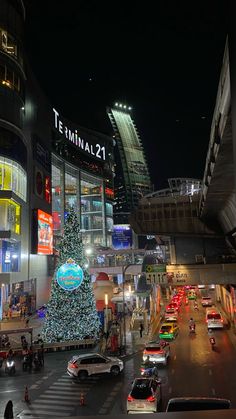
column 168, row 330
column 192, row 295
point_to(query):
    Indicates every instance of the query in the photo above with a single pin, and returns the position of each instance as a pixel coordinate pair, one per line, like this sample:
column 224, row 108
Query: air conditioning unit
column 199, row 258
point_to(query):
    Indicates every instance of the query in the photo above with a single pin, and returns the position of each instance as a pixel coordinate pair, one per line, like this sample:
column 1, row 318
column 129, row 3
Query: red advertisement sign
column 45, row 233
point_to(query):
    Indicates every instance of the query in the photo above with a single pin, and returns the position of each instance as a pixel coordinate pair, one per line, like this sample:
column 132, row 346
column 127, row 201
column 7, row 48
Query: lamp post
column 124, row 269
column 106, row 304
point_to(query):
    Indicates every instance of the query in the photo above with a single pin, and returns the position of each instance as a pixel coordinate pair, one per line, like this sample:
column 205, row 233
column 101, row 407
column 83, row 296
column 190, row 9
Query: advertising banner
column 122, row 236
column 45, row 233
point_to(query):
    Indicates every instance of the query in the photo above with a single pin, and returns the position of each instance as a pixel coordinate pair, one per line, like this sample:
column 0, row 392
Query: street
column 193, row 370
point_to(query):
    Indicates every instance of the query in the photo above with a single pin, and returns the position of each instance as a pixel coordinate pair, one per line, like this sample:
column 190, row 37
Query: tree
column 71, row 315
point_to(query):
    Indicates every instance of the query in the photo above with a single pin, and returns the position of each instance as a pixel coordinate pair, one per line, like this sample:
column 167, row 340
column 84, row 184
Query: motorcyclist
column 192, row 324
column 149, row 368
column 10, row 354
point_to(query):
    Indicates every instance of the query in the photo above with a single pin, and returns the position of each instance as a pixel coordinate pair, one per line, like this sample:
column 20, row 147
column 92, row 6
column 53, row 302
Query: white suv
column 82, row 366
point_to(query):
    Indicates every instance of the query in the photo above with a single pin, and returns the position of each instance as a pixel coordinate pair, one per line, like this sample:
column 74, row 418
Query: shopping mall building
column 47, row 165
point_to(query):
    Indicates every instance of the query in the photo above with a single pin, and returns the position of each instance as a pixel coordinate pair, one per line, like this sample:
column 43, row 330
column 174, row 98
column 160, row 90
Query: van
column 181, row 404
column 214, row 319
column 206, row 301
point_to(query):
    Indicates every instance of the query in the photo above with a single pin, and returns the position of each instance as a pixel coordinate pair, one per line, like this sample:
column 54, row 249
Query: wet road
column 193, row 370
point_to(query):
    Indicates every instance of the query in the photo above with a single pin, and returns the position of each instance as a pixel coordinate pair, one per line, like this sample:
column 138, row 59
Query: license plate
column 140, row 406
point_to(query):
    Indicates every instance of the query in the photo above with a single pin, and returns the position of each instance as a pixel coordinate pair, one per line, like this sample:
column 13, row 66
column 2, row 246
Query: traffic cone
column 26, row 396
column 82, row 400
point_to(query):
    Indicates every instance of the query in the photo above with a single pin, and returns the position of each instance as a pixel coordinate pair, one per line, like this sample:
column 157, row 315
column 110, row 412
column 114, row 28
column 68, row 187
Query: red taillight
column 130, row 398
column 142, row 369
column 73, row 366
column 221, row 320
column 151, row 399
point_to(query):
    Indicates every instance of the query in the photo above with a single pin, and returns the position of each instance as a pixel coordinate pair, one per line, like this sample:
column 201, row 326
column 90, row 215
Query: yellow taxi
column 168, row 330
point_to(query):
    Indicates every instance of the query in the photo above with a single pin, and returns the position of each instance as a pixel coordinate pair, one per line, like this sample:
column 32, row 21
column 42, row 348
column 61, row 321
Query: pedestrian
column 42, row 354
column 141, row 330
column 8, row 413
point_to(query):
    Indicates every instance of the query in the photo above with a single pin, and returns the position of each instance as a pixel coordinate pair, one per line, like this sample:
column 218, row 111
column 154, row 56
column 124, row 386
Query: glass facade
column 9, row 45
column 9, row 256
column 72, row 187
column 13, row 178
column 9, row 216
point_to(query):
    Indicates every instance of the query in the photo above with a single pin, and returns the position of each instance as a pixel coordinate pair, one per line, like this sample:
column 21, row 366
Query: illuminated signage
column 72, row 135
column 45, row 233
column 47, row 181
column 69, row 276
column 122, row 236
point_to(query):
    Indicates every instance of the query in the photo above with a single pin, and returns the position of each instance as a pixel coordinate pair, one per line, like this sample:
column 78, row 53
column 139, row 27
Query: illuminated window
column 10, row 78
column 10, row 213
column 12, row 177
column 9, row 45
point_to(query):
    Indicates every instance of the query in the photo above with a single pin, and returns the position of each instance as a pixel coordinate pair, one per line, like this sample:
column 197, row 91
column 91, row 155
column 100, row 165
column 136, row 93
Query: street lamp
column 124, row 269
column 106, row 313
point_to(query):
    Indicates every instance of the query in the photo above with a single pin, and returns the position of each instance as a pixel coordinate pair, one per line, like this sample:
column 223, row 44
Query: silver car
column 82, row 366
column 157, row 351
column 145, row 396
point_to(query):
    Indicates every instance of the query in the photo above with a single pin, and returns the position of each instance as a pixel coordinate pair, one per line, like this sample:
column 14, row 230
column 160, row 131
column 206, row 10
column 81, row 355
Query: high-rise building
column 132, row 179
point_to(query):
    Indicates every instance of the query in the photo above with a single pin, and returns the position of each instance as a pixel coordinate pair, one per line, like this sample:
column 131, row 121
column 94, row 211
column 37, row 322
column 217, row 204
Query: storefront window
column 8, row 43
column 91, row 207
column 9, row 216
column 12, row 177
column 109, row 209
column 70, row 192
column 10, row 256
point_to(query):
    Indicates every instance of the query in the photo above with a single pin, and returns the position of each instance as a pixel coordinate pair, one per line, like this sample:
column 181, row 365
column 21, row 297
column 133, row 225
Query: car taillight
column 73, row 366
column 142, row 369
column 151, row 399
column 130, row 398
column 221, row 320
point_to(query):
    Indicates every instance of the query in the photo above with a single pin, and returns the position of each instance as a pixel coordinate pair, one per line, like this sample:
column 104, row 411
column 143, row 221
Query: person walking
column 141, row 330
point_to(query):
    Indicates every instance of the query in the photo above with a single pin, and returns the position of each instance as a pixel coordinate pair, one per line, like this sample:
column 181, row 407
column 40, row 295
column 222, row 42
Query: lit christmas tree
column 71, row 309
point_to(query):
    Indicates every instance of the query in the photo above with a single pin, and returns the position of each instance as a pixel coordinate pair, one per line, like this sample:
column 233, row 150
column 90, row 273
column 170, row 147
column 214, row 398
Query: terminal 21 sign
column 72, row 135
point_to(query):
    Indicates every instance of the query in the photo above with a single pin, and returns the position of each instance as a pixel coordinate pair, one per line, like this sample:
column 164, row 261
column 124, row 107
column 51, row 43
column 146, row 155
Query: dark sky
column 164, row 61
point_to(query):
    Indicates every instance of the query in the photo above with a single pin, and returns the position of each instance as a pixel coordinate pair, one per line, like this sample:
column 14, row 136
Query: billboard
column 122, row 236
column 45, row 233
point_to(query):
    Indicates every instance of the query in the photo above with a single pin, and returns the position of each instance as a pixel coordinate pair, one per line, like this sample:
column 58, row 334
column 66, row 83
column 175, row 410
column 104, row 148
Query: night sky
column 164, row 61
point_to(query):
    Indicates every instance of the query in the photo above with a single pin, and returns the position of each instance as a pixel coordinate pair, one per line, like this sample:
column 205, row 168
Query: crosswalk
column 60, row 399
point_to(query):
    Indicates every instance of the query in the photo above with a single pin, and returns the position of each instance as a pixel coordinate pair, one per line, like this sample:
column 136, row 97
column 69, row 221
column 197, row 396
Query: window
column 12, row 177
column 8, row 43
column 9, row 216
column 10, row 79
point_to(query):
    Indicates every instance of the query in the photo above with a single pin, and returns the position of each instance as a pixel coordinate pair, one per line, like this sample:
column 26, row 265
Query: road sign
column 155, row 268
column 156, row 278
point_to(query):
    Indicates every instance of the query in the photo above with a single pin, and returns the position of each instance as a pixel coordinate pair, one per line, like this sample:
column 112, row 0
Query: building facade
column 47, row 164
column 132, row 180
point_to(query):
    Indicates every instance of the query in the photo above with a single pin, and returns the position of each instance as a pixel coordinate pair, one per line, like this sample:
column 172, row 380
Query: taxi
column 168, row 330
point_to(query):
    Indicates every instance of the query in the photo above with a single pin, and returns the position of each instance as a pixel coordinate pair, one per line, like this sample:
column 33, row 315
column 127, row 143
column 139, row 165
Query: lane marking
column 53, row 396
column 63, row 402
column 175, row 358
column 172, row 371
column 49, row 406
column 213, row 391
column 210, row 372
column 43, row 412
column 170, row 390
column 33, row 387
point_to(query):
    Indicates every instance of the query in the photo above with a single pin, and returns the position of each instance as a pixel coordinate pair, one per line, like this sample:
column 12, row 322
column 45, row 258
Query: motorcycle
column 10, row 367
column 212, row 342
column 149, row 370
column 27, row 363
column 192, row 328
column 37, row 363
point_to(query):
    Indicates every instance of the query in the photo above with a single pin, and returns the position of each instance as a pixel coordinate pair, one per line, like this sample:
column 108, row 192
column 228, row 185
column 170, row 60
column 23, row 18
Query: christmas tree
column 71, row 313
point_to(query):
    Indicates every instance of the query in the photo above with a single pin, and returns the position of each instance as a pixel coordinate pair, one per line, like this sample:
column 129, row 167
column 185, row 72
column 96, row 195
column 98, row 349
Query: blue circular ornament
column 69, row 276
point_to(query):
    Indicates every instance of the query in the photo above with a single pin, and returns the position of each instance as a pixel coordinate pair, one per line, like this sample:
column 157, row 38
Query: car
column 206, row 302
column 84, row 365
column 168, row 330
column 172, row 305
column 214, row 319
column 171, row 315
column 192, row 295
column 157, row 352
column 145, row 396
column 182, row 404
